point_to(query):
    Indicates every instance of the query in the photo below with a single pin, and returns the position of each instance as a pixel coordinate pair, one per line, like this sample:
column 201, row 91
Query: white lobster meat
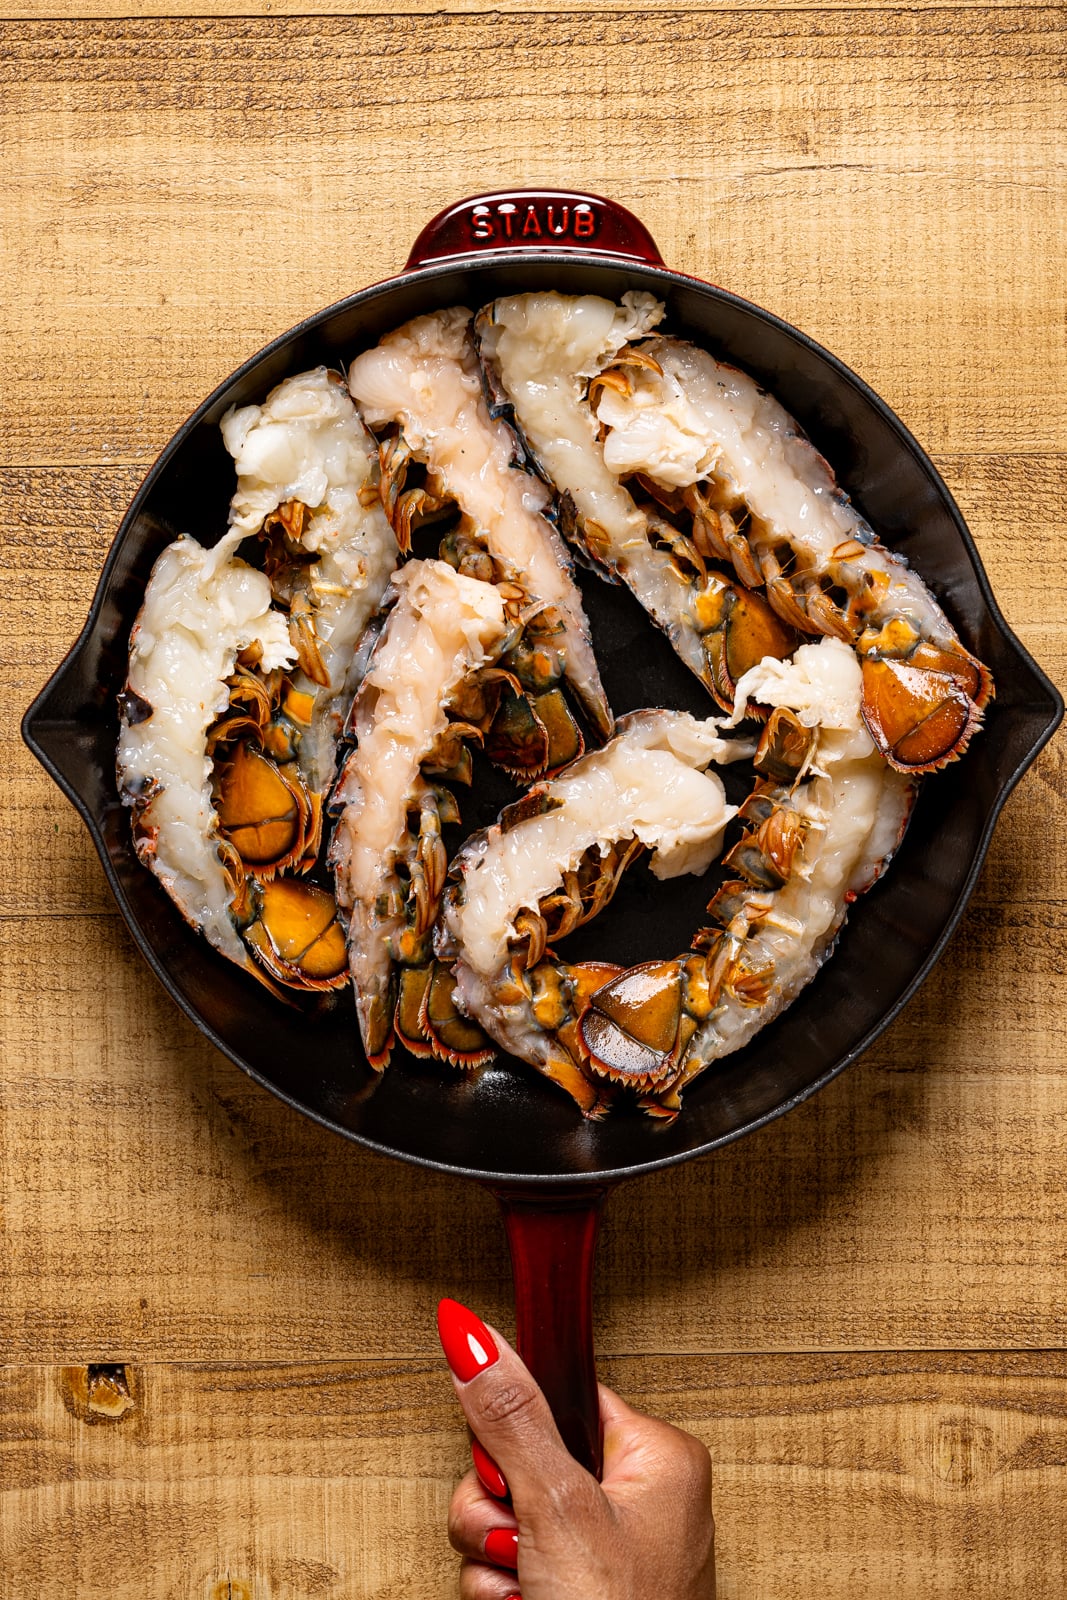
column 425, row 376
column 648, row 785
column 306, row 446
column 442, row 627
column 763, row 497
column 540, row 352
column 201, row 607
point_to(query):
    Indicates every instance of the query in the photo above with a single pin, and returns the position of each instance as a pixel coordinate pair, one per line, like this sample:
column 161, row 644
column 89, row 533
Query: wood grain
column 223, row 1382
column 94, row 10
column 183, row 190
column 865, row 1475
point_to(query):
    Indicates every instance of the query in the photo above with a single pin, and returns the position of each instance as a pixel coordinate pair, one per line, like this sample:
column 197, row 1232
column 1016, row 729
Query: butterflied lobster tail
column 819, row 827
column 212, row 724
column 545, row 868
column 763, row 498
column 423, row 379
column 387, row 850
column 544, row 358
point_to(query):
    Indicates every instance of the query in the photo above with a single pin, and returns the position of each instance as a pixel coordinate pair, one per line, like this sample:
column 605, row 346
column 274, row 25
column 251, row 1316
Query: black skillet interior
column 508, row 1124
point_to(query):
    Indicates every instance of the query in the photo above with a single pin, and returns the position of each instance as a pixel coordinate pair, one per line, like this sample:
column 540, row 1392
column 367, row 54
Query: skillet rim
column 647, row 275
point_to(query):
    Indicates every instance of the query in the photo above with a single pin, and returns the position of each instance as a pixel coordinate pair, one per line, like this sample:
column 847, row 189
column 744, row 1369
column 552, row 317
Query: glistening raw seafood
column 473, row 450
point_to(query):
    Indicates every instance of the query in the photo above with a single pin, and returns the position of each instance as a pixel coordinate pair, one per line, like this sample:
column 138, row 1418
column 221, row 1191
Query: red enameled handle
column 552, row 1243
column 525, row 220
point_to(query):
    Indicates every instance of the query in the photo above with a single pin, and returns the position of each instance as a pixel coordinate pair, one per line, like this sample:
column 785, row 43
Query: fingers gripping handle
column 552, row 1247
column 522, row 221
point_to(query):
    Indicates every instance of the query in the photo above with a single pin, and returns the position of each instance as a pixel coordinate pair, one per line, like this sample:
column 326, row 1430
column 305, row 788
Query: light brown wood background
column 861, row 1309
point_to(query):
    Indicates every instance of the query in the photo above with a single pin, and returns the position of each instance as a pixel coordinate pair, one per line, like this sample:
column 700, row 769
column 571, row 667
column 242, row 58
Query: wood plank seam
column 517, row 10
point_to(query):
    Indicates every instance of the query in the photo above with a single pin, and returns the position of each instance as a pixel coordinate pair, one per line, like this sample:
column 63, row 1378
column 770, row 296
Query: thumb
column 507, row 1412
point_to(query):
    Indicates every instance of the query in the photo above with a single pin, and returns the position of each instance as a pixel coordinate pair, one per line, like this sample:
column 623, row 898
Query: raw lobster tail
column 211, row 729
column 820, row 825
column 544, row 869
column 387, row 850
column 544, row 356
column 307, row 486
column 424, row 379
column 763, row 498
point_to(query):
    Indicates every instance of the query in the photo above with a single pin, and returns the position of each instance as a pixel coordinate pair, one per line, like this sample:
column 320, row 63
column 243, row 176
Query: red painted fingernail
column 486, row 1468
column 465, row 1339
column 502, row 1547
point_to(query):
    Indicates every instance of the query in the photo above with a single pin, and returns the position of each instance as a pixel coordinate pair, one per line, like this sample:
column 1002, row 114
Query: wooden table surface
column 221, row 1378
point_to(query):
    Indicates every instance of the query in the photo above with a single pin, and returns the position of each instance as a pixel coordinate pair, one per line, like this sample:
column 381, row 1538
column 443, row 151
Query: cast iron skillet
column 509, row 1129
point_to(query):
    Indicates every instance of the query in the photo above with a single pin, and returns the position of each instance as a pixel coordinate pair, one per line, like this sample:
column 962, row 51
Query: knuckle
column 511, row 1400
column 571, row 1500
column 459, row 1514
column 684, row 1460
column 455, row 1527
column 471, row 1580
column 697, row 1467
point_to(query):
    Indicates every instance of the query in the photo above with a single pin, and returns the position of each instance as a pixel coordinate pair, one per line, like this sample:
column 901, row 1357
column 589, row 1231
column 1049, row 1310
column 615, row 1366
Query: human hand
column 643, row 1533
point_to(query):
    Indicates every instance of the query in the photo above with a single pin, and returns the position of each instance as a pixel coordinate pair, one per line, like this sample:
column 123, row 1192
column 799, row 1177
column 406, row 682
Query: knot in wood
column 102, row 1391
column 964, row 1451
